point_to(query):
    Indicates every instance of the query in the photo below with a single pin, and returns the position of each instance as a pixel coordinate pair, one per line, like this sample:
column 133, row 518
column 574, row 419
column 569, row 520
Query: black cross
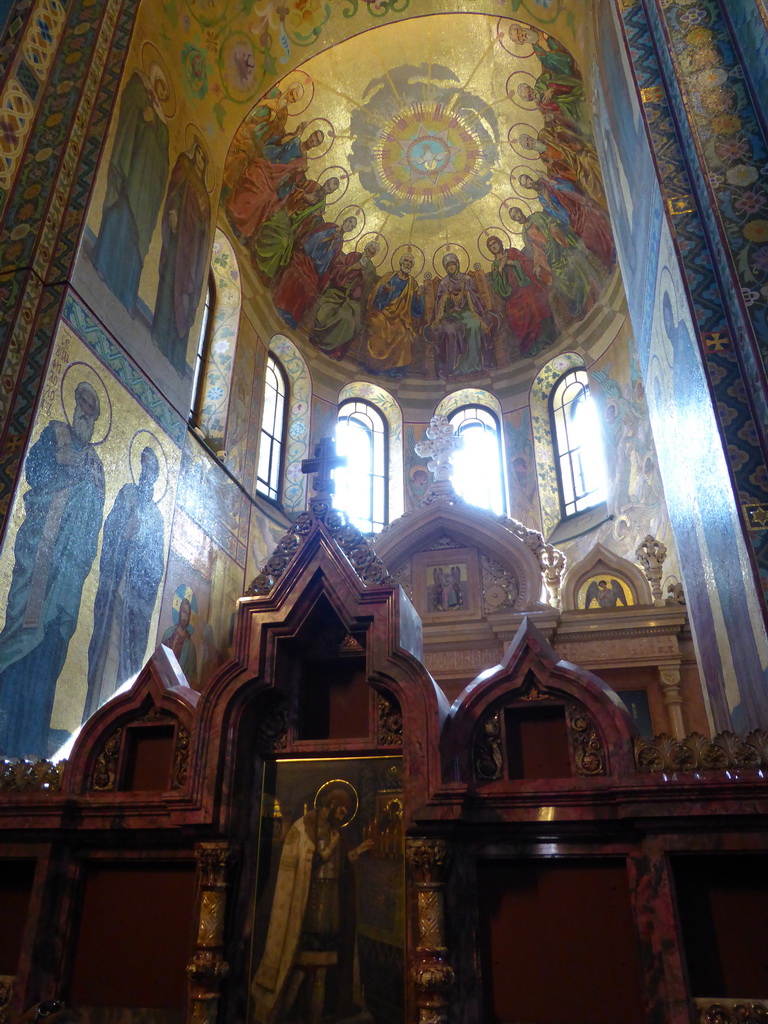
column 322, row 464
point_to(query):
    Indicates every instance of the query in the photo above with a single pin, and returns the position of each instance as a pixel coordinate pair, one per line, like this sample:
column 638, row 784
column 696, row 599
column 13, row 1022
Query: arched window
column 361, row 486
column 578, row 451
column 477, row 475
column 269, row 473
column 201, row 356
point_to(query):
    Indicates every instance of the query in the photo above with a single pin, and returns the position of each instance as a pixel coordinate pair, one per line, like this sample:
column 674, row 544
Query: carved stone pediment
column 509, row 569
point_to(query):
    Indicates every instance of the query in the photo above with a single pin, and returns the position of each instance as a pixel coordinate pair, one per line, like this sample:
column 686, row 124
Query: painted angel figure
column 605, row 594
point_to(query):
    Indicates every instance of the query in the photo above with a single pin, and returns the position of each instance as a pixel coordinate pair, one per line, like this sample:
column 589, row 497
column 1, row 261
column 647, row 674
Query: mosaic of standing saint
column 418, row 211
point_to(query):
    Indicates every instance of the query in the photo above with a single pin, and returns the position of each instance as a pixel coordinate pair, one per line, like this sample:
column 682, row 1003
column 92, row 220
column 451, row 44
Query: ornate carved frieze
column 390, row 721
column 488, row 760
column 441, row 662
column 272, row 729
column 586, row 742
column 732, row 1011
column 352, row 542
column 697, row 753
column 648, row 646
column 30, row 776
column 501, row 587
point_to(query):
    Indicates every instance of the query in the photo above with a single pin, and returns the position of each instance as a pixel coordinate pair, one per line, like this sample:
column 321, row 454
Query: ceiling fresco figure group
column 350, row 196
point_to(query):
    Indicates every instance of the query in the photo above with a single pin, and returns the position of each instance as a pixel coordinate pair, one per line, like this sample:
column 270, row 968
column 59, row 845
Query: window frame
column 275, row 442
column 579, row 375
column 492, row 415
column 377, row 416
column 202, row 356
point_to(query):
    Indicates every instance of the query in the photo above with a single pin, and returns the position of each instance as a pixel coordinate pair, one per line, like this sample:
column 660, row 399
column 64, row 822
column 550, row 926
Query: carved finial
column 441, row 444
column 675, row 594
column 323, row 463
column 552, row 562
column 651, row 554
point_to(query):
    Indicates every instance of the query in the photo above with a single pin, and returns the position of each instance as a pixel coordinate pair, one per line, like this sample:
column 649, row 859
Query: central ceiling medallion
column 426, row 154
column 424, row 146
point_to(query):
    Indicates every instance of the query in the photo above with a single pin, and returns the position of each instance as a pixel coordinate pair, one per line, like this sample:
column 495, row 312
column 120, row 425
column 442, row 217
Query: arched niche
column 140, row 739
column 602, row 562
column 532, row 691
column 394, row 417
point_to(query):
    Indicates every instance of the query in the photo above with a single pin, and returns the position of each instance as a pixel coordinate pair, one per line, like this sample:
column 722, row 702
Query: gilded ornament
column 428, row 858
column 390, row 721
column 488, row 759
column 105, row 769
column 698, row 753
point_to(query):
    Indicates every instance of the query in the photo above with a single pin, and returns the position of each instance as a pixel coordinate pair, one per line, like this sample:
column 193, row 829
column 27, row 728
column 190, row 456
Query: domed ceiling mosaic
column 424, row 200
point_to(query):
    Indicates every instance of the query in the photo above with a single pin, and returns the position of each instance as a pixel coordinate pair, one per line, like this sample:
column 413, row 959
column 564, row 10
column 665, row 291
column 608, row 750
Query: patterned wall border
column 726, row 378
column 44, row 216
column 28, row 72
column 91, row 333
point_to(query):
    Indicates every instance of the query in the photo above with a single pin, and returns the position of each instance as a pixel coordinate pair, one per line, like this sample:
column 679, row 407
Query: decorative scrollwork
column 735, row 1013
column 272, row 729
column 104, row 775
column 533, row 692
column 586, row 742
column 207, row 969
column 355, row 545
column 180, row 758
column 489, row 764
column 403, row 576
column 428, row 858
column 501, row 588
column 698, row 753
column 432, row 975
column 18, row 776
column 390, row 721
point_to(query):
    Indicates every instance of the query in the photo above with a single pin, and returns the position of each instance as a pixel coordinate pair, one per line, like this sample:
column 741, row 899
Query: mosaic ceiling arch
column 424, row 200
